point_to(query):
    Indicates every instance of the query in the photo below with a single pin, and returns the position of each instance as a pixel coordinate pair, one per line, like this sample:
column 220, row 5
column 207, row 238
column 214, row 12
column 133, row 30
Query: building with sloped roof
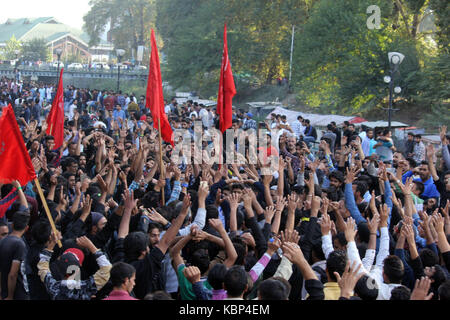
column 72, row 41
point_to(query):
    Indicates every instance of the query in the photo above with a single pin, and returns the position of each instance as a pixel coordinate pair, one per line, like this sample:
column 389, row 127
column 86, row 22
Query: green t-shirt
column 186, row 291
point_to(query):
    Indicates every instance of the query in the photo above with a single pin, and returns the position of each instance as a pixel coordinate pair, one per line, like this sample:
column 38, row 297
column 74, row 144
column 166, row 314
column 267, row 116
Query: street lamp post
column 395, row 59
column 120, row 53
column 58, row 53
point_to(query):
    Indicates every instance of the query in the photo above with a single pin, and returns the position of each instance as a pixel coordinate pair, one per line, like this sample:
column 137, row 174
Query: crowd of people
column 344, row 216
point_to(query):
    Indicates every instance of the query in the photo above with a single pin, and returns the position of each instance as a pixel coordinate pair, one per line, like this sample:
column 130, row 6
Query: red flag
column 154, row 98
column 15, row 163
column 55, row 119
column 227, row 90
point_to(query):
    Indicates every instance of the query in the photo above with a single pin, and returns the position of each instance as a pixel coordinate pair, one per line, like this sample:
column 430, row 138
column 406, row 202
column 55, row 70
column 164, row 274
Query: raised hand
column 102, row 184
column 290, row 236
column 384, row 215
column 325, row 224
column 421, row 289
column 128, row 197
column 84, row 242
column 216, row 224
column 186, row 203
column 351, row 175
column 267, row 179
column 350, row 229
column 292, row 201
column 281, row 203
column 192, row 273
column 248, row 239
column 292, row 252
column 273, row 245
column 203, row 190
column 269, row 213
column 233, row 199
column 373, row 223
column 349, row 279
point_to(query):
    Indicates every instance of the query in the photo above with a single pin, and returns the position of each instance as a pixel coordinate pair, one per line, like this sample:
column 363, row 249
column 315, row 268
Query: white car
column 140, row 68
column 75, row 65
column 98, row 66
column 55, row 64
column 122, row 66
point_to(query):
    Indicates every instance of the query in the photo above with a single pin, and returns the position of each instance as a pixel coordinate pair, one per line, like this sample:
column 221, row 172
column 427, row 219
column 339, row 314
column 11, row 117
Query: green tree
column 259, row 34
column 10, row 47
column 129, row 20
column 36, row 49
column 340, row 63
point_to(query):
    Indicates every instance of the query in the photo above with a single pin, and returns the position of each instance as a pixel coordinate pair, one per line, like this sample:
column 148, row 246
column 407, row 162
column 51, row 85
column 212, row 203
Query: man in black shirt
column 13, row 251
column 41, row 232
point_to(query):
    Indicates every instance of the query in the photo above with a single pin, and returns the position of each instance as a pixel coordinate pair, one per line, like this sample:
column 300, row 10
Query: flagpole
column 51, row 128
column 47, row 211
column 160, row 160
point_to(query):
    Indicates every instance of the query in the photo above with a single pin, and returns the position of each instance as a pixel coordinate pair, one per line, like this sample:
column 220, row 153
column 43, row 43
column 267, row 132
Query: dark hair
column 158, row 295
column 439, row 276
column 336, row 262
column 329, row 126
column 235, row 281
column 216, row 276
column 20, row 220
column 41, row 231
column 361, row 187
column 200, row 259
column 338, row 175
column 394, row 269
column 420, row 186
column 241, row 253
column 444, row 291
column 272, row 289
column 365, row 291
column 418, row 136
column 428, row 257
column 400, row 293
column 327, row 140
column 120, row 271
column 134, row 243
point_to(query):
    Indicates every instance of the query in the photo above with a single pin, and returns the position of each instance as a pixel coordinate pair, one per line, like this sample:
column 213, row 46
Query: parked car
column 122, row 66
column 140, row 68
column 55, row 64
column 98, row 66
column 75, row 65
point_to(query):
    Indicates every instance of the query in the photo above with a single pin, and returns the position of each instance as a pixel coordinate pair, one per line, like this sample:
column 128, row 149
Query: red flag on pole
column 227, row 89
column 55, row 119
column 154, row 97
column 15, row 163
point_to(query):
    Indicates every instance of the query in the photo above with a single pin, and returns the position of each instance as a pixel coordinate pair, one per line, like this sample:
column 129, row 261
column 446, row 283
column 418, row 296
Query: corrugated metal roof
column 18, row 27
column 46, row 27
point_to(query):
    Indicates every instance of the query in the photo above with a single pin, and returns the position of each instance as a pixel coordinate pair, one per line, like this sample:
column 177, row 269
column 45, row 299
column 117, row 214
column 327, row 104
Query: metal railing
column 50, row 71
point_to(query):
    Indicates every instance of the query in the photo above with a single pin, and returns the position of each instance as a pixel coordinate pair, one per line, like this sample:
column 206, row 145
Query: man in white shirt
column 72, row 108
column 388, row 270
column 204, row 115
column 298, row 127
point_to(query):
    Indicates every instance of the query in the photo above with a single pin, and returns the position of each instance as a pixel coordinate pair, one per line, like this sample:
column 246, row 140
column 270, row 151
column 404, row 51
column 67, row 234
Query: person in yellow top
column 336, row 262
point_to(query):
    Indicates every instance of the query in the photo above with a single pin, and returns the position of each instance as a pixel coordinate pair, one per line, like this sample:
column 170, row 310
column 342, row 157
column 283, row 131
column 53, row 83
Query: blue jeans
column 309, row 140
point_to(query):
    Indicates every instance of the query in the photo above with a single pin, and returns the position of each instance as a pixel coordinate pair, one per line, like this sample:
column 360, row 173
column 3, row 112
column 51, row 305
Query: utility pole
column 292, row 50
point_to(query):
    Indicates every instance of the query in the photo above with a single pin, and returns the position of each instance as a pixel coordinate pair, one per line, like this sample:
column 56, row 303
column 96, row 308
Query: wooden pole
column 161, row 167
column 47, row 211
column 51, row 128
